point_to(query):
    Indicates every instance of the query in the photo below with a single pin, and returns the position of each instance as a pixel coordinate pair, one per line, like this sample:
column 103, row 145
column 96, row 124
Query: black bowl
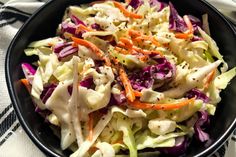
column 43, row 25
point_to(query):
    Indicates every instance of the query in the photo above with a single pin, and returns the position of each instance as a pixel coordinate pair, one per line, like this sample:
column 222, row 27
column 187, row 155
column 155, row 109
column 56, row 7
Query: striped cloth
column 13, row 140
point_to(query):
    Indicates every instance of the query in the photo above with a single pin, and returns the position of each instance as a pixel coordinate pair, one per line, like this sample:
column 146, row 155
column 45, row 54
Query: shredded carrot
column 147, row 52
column 190, row 29
column 182, row 35
column 127, row 1
column 115, row 61
column 137, row 93
column 127, row 85
column 88, row 44
column 26, row 84
column 139, row 105
column 155, row 42
column 143, row 58
column 120, row 44
column 126, row 12
column 127, row 43
column 90, row 127
column 93, row 47
column 210, row 78
column 82, row 28
column 121, row 50
column 189, row 24
column 142, row 38
column 133, row 34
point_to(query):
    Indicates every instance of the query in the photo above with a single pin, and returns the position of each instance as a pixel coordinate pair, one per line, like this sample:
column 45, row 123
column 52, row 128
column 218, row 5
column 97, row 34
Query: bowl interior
column 43, row 25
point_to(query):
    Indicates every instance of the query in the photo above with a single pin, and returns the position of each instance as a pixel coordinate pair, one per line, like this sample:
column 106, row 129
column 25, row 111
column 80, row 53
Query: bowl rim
column 206, row 152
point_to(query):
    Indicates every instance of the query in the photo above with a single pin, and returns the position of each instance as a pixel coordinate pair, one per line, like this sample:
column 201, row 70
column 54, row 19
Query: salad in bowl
column 127, row 78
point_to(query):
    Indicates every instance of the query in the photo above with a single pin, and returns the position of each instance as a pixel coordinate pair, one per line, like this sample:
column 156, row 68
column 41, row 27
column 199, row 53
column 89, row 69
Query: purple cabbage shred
column 196, row 22
column 198, row 94
column 87, row 82
column 181, row 145
column 76, row 20
column 47, row 92
column 163, row 71
column 135, row 3
column 96, row 27
column 176, row 22
column 200, row 125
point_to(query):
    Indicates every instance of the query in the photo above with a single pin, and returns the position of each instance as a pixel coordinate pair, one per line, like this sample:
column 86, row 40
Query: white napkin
column 13, row 140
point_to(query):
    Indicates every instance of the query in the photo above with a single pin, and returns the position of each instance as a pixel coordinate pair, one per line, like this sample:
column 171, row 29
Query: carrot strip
column 143, row 58
column 210, row 79
column 90, row 127
column 182, row 35
column 155, row 42
column 83, row 28
column 126, row 12
column 120, row 50
column 127, row 43
column 93, row 47
column 189, row 24
column 133, row 34
column 26, row 83
column 120, row 44
column 137, row 93
column 127, row 1
column 127, row 85
column 139, row 105
column 147, row 52
column 88, row 44
column 142, row 38
column 190, row 29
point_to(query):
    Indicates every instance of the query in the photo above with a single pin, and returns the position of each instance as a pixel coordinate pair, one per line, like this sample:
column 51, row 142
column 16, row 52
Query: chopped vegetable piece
column 128, row 88
column 126, row 12
column 139, row 105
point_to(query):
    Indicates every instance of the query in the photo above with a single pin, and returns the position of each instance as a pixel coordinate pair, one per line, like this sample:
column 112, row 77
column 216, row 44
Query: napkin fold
column 13, row 139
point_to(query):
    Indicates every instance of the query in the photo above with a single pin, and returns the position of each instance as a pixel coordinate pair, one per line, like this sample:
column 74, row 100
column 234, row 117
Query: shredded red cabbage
column 69, row 89
column 181, row 145
column 43, row 113
column 145, row 78
column 198, row 94
column 119, row 98
column 76, row 20
column 200, row 125
column 135, row 3
column 176, row 22
column 59, row 46
column 88, row 83
column 47, row 92
column 70, row 28
column 66, row 51
column 195, row 22
column 28, row 71
column 196, row 38
column 96, row 27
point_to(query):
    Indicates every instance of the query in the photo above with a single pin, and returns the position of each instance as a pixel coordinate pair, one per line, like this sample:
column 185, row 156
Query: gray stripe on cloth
column 7, row 122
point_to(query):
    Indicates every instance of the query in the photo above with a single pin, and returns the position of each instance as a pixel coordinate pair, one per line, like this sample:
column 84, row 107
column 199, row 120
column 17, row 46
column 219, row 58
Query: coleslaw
column 122, row 79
